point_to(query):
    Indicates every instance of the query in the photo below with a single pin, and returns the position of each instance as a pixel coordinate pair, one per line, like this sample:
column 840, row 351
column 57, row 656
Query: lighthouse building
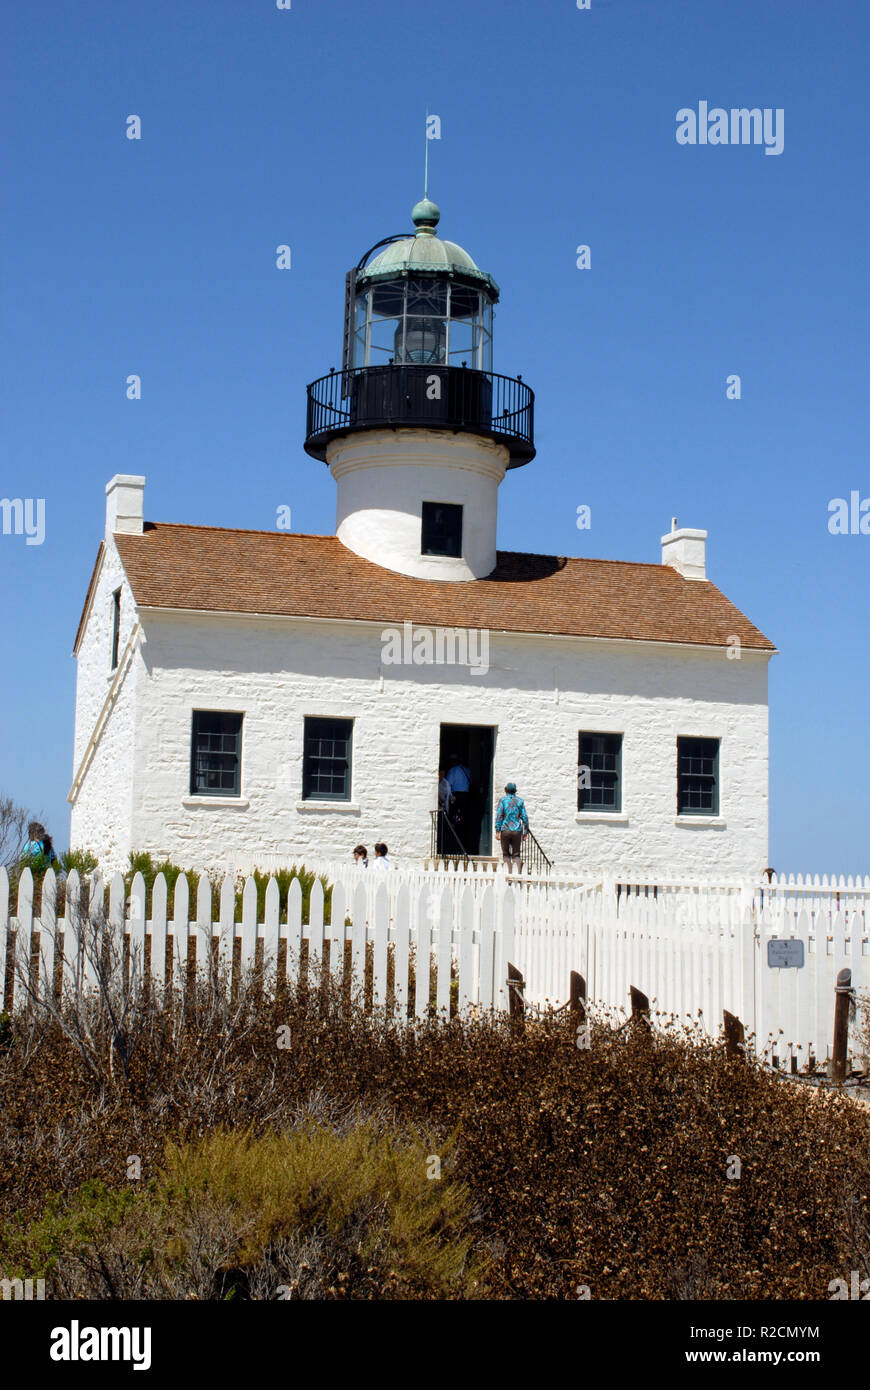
column 251, row 697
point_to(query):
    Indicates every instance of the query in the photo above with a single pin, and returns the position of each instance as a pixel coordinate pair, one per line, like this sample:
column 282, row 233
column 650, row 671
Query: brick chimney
column 125, row 500
column 686, row 551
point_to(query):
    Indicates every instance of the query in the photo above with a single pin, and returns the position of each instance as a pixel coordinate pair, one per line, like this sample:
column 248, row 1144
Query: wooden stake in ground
column 734, row 1035
column 577, row 997
column 842, row 1004
column 516, row 985
column 639, row 1008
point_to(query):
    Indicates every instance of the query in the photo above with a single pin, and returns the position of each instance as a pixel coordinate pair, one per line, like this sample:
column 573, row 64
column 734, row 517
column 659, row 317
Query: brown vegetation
column 562, row 1166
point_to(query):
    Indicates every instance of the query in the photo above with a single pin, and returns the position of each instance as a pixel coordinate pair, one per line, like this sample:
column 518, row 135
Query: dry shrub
column 13, row 830
column 313, row 1213
column 607, row 1166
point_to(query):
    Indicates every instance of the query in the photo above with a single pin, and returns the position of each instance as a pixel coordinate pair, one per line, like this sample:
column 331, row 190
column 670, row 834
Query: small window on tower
column 442, row 529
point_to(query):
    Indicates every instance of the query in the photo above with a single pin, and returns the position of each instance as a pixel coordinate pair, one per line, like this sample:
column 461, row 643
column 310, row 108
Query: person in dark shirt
column 459, row 781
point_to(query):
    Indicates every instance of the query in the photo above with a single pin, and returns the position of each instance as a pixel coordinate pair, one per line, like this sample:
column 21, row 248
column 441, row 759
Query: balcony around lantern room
column 417, row 354
column 423, row 396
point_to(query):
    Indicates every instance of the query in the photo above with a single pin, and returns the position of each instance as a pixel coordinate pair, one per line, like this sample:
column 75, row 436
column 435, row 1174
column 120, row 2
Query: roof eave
column 89, row 598
column 236, row 613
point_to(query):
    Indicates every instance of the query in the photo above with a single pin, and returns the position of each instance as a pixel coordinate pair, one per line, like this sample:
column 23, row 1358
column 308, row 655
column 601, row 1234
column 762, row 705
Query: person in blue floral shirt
column 511, row 826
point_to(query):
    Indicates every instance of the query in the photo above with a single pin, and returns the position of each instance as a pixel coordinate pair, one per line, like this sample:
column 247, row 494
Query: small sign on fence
column 785, row 954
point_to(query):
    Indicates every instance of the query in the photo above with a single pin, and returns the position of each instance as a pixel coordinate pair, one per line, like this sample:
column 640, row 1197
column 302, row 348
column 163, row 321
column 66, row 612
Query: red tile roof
column 272, row 572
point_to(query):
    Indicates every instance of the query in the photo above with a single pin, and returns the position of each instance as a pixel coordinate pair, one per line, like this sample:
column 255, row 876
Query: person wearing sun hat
column 511, row 826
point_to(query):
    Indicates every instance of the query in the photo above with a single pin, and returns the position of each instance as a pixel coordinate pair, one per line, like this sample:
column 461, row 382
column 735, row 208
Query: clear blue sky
column 262, row 126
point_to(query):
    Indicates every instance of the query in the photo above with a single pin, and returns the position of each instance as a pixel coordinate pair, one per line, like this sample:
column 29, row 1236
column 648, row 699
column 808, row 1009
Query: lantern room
column 418, row 349
column 422, row 301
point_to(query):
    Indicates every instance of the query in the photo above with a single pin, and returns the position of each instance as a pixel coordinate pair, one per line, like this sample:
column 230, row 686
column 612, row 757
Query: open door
column 471, row 746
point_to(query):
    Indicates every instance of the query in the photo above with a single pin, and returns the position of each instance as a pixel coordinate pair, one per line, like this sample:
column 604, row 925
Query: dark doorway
column 471, row 746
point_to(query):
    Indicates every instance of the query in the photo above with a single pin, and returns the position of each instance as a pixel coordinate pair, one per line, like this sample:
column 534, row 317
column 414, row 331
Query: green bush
column 70, row 859
column 81, row 860
column 67, row 1227
column 284, row 877
column 143, row 863
column 313, row 1213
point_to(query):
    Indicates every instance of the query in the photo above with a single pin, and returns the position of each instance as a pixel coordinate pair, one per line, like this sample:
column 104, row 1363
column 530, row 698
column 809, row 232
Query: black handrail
column 535, row 862
column 426, row 397
column 440, row 821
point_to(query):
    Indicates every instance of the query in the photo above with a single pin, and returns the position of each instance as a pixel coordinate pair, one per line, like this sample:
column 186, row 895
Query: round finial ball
column 426, row 213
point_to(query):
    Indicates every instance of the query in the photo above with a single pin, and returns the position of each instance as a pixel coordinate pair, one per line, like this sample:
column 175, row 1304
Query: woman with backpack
column 511, row 826
column 38, row 843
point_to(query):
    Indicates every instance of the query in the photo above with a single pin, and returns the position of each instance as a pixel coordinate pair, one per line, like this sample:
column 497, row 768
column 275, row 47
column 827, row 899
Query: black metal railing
column 535, row 861
column 447, row 844
column 427, row 397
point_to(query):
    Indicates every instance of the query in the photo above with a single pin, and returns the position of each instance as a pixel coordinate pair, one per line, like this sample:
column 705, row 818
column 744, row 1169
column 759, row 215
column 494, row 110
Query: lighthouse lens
column 423, row 336
column 424, row 341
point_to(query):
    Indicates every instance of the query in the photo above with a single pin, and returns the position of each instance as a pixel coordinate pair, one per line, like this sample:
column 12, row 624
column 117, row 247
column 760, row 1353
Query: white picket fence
column 462, row 933
column 694, row 949
column 697, row 950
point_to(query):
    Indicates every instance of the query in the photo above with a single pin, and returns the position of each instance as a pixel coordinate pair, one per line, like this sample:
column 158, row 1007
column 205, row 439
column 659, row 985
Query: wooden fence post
column 579, row 1014
column 734, row 1035
column 639, row 1008
column 842, row 1002
column 516, row 985
column 577, row 996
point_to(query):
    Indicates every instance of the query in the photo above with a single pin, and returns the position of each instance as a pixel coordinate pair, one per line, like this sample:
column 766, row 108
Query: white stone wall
column 102, row 810
column 539, row 692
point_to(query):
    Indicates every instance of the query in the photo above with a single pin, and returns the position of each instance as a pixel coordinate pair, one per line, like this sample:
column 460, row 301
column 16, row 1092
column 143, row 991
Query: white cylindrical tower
column 417, row 430
column 421, row 502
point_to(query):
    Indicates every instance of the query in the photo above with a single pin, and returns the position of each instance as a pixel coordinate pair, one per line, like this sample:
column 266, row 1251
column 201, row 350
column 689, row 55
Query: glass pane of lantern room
column 482, row 347
column 465, row 310
column 484, row 343
column 359, row 341
column 427, row 299
column 386, row 321
column 383, row 344
column 425, row 327
column 461, row 342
